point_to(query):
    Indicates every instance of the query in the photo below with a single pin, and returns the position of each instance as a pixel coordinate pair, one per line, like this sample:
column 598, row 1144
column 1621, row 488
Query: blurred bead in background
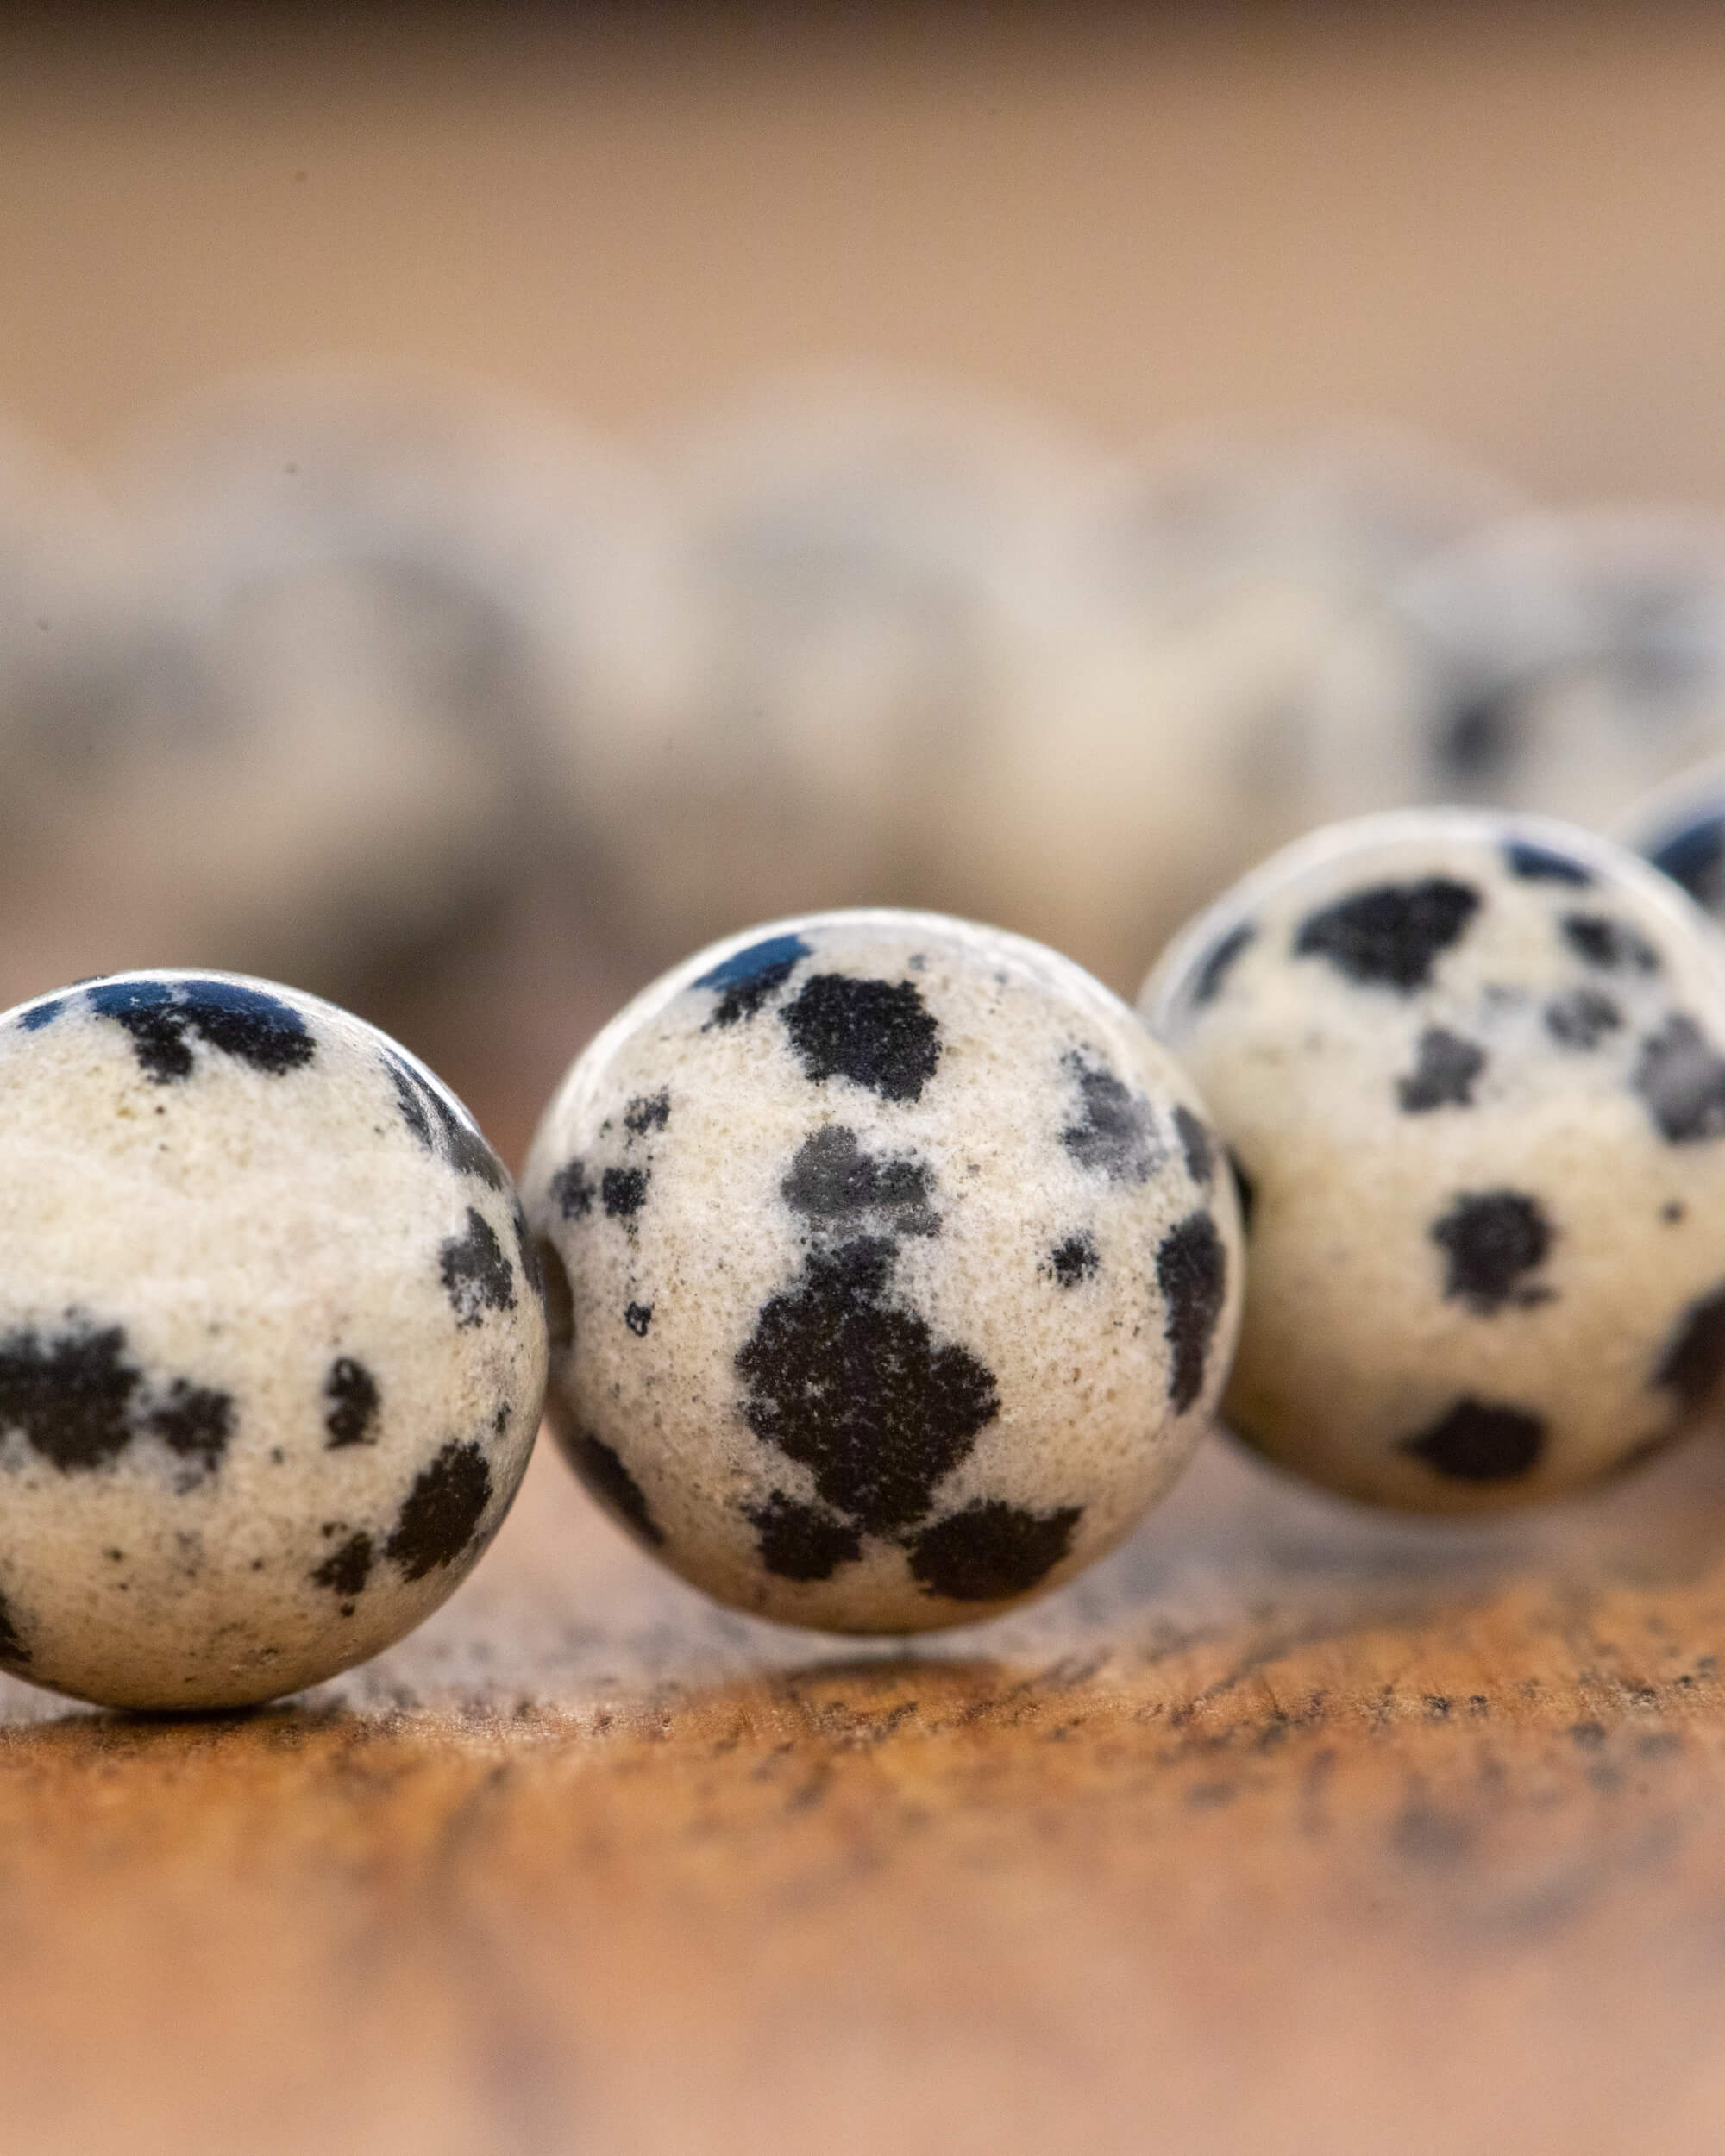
column 859, row 569
column 1564, row 663
column 392, row 687
column 1147, row 746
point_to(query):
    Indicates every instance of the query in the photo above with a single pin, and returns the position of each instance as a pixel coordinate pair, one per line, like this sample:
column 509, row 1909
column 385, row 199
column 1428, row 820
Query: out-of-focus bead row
column 340, row 659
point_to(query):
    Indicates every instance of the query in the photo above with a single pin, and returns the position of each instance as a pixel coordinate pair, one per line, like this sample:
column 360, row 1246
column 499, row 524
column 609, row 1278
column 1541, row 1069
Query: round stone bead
column 1471, row 1068
column 894, row 1270
column 272, row 1347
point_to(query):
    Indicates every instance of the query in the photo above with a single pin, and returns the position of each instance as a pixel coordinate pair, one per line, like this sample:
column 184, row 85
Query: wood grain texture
column 1289, row 1829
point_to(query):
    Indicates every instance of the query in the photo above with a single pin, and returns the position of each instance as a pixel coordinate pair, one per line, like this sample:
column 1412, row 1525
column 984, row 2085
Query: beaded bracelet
column 890, row 1266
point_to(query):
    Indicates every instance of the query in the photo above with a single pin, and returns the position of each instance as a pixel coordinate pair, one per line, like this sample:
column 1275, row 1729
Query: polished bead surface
column 894, row 1269
column 272, row 1347
column 1470, row 1068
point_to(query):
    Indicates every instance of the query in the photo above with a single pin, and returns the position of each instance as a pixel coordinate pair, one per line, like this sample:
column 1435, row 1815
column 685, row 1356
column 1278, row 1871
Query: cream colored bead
column 1471, row 1068
column 900, row 1270
column 272, row 1348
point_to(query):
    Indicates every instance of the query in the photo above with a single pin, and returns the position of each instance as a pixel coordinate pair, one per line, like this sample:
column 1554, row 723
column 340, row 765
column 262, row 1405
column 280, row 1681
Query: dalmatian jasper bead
column 894, row 1270
column 272, row 1347
column 1470, row 1069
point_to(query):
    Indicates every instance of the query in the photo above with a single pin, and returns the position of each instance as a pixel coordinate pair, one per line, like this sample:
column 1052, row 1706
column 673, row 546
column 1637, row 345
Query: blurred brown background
column 1500, row 223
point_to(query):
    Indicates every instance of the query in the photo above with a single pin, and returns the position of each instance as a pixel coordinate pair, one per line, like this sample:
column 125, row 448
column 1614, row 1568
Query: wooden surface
column 1288, row 1829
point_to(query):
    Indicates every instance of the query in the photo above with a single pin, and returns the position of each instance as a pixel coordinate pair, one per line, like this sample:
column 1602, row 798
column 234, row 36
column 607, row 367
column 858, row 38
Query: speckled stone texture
column 893, row 1270
column 271, row 1345
column 1471, row 1070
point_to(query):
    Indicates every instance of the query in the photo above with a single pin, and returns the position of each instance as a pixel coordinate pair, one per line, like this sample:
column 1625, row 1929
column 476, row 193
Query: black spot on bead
column 1544, row 864
column 1393, row 934
column 526, row 1249
column 346, row 1571
column 1681, row 1077
column 70, row 1395
column 1614, row 946
column 41, row 1014
column 1476, row 736
column 616, row 1489
column 1445, row 1070
column 13, row 1652
column 744, row 981
column 1218, row 962
column 1116, row 1133
column 652, row 1112
column 1694, row 1360
column 1695, row 857
column 467, row 1151
column 879, row 1034
column 833, row 1183
column 803, row 1542
column 1198, row 1146
column 413, row 1100
column 572, row 1193
column 638, row 1317
column 1479, row 1441
column 991, row 1551
column 79, row 1402
column 476, row 1272
column 442, row 1511
column 1491, row 1238
column 195, row 1421
column 1192, row 1272
column 622, row 1191
column 560, row 1301
column 1245, row 1191
column 256, row 1029
column 1582, row 1017
column 855, row 1389
column 1073, row 1260
column 158, row 1032
column 436, row 1125
column 352, row 1393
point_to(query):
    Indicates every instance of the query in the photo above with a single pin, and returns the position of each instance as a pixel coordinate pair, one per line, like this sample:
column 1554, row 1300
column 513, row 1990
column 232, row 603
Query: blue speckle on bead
column 745, row 979
column 759, row 958
column 256, row 1028
column 1695, row 857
